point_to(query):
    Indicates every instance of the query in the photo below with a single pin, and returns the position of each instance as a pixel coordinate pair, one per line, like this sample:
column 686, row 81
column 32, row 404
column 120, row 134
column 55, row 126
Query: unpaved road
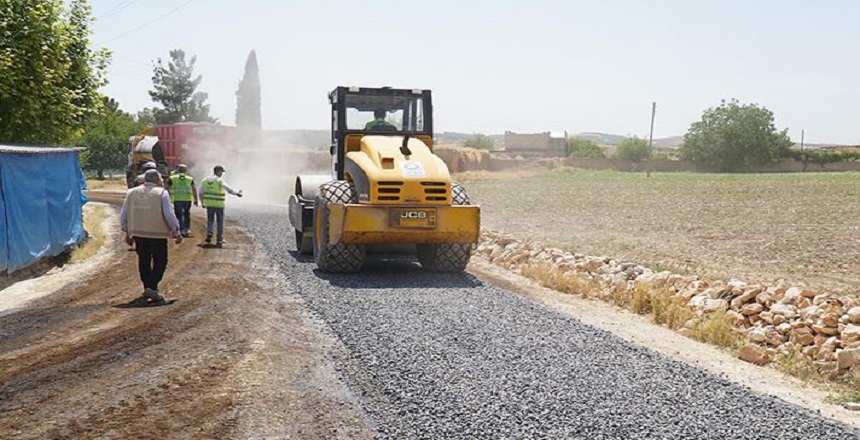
column 237, row 356
column 260, row 345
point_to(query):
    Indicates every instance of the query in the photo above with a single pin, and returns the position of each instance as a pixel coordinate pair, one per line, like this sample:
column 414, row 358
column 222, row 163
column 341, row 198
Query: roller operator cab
column 386, row 187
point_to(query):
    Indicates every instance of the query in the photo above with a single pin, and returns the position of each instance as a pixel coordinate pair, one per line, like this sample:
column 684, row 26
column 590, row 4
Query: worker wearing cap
column 148, row 220
column 182, row 193
column 138, row 181
column 213, row 191
column 146, row 167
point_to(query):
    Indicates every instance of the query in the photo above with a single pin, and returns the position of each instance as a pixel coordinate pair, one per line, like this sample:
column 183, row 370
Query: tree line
column 731, row 137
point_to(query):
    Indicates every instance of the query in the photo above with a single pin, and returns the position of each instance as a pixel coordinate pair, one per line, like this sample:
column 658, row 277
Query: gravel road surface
column 447, row 356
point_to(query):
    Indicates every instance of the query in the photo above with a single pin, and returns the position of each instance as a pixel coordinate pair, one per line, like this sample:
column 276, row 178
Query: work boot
column 153, row 295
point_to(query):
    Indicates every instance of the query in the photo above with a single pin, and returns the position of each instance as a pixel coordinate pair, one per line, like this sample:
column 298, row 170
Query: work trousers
column 151, row 260
column 183, row 214
column 213, row 215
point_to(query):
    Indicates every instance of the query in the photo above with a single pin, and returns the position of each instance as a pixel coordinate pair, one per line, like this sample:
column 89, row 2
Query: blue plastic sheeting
column 40, row 205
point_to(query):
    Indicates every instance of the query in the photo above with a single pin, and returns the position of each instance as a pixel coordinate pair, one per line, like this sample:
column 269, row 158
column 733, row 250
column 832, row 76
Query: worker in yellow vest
column 182, row 193
column 213, row 191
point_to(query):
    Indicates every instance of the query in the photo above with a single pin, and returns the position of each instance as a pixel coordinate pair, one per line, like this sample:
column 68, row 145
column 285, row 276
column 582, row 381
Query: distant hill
column 321, row 139
column 600, row 138
column 669, row 142
column 615, row 139
column 453, row 136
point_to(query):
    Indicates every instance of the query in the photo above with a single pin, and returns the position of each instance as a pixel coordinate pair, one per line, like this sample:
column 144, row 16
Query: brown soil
column 236, row 356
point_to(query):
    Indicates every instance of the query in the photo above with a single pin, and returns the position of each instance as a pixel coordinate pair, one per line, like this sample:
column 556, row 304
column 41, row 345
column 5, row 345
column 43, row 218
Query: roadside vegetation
column 633, row 149
column 94, row 216
column 480, row 142
column 583, row 149
column 116, row 182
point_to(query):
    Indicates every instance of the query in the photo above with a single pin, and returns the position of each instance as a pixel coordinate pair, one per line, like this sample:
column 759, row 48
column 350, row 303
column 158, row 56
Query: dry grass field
column 756, row 227
column 109, row 183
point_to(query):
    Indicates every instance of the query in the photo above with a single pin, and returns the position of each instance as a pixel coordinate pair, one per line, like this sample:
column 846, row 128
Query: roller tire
column 447, row 257
column 338, row 258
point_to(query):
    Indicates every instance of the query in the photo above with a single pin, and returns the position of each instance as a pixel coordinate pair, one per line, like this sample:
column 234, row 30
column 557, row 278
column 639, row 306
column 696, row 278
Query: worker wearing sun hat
column 213, row 193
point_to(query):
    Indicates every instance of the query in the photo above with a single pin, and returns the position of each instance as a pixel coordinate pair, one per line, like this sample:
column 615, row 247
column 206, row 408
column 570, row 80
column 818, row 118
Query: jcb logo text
column 413, row 214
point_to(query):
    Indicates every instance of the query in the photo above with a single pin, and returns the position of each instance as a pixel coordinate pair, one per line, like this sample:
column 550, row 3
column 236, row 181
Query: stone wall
column 534, row 144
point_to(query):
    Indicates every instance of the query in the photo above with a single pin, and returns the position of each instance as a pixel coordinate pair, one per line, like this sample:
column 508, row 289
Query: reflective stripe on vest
column 213, row 194
column 180, row 188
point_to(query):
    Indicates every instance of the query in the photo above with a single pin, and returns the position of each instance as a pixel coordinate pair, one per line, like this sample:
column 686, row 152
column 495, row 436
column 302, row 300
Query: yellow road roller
column 386, row 189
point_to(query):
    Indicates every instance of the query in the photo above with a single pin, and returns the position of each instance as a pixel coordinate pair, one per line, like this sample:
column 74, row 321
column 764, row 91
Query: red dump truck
column 198, row 145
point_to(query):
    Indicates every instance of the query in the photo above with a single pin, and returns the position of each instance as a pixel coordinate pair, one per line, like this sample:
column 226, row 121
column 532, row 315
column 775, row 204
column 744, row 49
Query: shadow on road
column 384, row 273
column 140, row 303
column 300, row 257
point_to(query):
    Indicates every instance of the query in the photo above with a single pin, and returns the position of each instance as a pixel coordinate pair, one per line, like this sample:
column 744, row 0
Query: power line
column 147, row 23
column 130, row 62
column 118, row 8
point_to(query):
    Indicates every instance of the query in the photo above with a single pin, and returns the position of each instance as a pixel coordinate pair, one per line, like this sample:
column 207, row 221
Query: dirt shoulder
column 236, row 356
column 639, row 330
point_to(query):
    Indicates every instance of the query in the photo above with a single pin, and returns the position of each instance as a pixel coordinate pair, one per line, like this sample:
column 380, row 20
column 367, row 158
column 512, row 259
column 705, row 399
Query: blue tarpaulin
column 40, row 204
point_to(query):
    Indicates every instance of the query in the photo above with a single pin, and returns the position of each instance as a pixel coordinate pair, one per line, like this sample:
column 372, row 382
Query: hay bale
column 461, row 159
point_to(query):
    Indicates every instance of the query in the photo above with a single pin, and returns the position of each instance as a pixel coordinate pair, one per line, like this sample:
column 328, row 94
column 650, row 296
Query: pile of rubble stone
column 780, row 318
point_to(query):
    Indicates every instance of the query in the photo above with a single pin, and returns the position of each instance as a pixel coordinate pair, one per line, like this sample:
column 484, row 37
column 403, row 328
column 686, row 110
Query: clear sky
column 524, row 66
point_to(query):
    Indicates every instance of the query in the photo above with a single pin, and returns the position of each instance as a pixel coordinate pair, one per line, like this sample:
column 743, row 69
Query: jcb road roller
column 386, row 187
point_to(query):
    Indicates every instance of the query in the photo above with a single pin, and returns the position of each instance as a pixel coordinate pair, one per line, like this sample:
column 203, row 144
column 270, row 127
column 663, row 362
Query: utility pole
column 650, row 140
column 651, row 136
column 802, row 138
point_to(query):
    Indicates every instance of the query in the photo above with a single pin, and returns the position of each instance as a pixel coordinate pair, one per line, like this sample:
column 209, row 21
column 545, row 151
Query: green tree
column 480, row 142
column 248, row 95
column 49, row 77
column 583, row 148
column 248, row 114
column 633, row 149
column 146, row 116
column 175, row 88
column 734, row 137
column 106, row 137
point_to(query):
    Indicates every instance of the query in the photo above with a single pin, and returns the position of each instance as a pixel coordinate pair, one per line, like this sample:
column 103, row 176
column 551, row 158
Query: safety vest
column 377, row 124
column 213, row 193
column 145, row 213
column 180, row 187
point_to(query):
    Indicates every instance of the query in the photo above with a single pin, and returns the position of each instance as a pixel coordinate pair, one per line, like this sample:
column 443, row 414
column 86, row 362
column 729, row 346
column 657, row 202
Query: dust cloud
column 264, row 169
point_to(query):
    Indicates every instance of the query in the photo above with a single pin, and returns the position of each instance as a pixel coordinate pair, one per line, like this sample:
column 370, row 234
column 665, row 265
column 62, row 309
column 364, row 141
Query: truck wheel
column 447, row 257
column 305, row 245
column 334, row 257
